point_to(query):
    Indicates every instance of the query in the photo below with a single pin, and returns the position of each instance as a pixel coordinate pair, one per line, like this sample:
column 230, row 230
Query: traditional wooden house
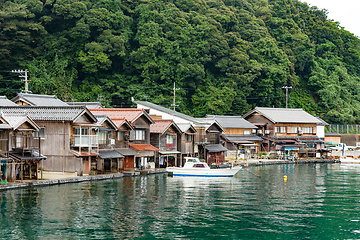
column 20, row 149
column 292, row 131
column 207, row 137
column 166, row 136
column 239, row 138
column 139, row 139
column 68, row 136
column 187, row 140
column 109, row 160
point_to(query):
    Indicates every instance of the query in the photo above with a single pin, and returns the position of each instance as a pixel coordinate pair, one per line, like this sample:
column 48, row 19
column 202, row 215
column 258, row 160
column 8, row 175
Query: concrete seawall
column 49, row 182
column 277, row 162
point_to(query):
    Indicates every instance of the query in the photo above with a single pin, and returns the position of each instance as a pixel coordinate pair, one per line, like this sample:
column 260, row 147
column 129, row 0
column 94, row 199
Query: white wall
column 320, row 131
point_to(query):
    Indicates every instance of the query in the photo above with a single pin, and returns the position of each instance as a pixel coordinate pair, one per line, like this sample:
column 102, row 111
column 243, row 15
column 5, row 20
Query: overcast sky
column 346, row 12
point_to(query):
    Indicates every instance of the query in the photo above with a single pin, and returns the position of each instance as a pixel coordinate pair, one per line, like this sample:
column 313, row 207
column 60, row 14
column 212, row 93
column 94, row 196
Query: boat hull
column 203, row 172
column 350, row 161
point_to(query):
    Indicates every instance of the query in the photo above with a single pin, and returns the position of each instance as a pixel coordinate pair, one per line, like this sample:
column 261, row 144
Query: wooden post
column 89, row 165
column 37, row 167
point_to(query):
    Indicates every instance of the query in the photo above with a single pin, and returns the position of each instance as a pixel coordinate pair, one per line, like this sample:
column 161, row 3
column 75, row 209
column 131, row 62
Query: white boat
column 349, row 160
column 194, row 168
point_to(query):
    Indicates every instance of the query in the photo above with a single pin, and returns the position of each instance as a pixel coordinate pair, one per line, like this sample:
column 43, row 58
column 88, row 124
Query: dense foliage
column 225, row 56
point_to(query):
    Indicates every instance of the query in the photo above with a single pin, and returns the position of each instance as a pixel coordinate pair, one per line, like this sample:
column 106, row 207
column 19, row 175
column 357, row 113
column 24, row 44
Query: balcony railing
column 86, row 141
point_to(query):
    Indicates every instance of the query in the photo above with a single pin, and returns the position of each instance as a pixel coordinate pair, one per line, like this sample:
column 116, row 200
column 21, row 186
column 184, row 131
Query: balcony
column 90, row 141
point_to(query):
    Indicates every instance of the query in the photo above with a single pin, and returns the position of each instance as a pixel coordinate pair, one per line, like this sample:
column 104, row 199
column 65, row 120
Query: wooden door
column 129, row 162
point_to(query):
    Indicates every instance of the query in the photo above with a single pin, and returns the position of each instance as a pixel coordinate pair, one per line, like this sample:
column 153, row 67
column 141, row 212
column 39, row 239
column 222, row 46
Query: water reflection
column 257, row 203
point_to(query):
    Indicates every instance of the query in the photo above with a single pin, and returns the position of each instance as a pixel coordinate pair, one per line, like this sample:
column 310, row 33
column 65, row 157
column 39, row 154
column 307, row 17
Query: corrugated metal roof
column 285, row 115
column 57, row 113
column 231, row 121
column 215, row 148
column 109, row 154
column 6, row 102
column 161, row 125
column 39, row 100
column 143, row 147
column 84, row 154
column 126, row 151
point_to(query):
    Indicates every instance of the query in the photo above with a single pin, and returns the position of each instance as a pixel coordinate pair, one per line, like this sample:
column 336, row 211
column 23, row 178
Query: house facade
column 206, row 138
column 286, row 130
column 20, row 148
column 141, row 152
column 166, row 136
column 239, row 138
column 68, row 136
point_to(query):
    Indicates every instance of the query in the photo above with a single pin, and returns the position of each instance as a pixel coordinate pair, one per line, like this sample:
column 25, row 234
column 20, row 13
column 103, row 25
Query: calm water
column 316, row 202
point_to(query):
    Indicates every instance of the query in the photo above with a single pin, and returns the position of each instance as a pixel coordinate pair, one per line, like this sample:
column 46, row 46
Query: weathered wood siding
column 237, row 131
column 56, row 147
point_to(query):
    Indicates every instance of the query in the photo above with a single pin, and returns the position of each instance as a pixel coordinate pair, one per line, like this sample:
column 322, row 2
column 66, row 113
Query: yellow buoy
column 285, row 178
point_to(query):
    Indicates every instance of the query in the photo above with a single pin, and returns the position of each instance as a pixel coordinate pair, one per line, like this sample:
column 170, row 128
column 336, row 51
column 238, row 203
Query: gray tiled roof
column 285, row 115
column 323, row 123
column 241, row 137
column 47, row 113
column 110, row 154
column 101, row 118
column 171, row 112
column 39, row 100
column 231, row 121
column 6, row 102
column 215, row 148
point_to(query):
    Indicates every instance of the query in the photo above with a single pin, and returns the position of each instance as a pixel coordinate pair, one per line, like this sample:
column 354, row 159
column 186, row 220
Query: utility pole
column 287, row 88
column 175, row 89
column 23, row 74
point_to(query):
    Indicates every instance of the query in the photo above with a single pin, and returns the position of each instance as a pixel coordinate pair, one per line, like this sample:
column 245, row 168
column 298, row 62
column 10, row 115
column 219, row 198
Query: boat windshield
column 199, row 165
column 193, row 160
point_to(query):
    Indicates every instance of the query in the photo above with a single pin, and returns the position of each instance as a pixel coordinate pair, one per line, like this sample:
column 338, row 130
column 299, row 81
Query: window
column 84, row 131
column 246, row 132
column 294, row 129
column 19, row 141
column 40, row 133
column 307, row 130
column 102, row 138
column 121, row 136
column 137, row 135
column 280, row 129
column 169, row 139
column 188, row 138
column 81, row 131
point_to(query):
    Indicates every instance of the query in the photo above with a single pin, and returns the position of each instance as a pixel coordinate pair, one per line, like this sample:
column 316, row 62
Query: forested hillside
column 225, row 56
